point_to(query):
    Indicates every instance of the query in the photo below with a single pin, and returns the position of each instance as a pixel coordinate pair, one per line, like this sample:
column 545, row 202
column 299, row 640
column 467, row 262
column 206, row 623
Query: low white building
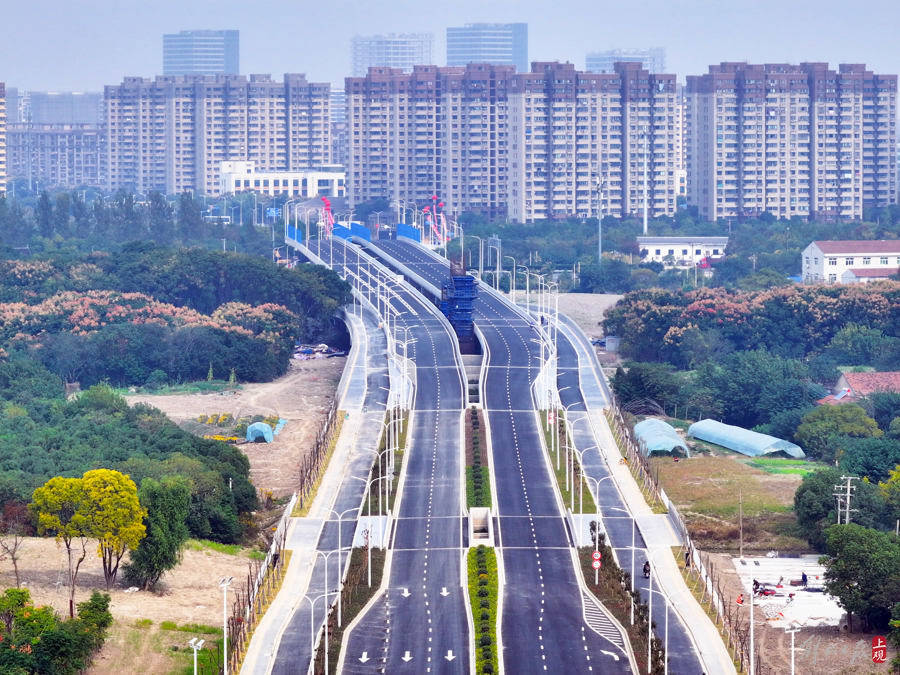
column 850, row 262
column 242, row 176
column 681, row 251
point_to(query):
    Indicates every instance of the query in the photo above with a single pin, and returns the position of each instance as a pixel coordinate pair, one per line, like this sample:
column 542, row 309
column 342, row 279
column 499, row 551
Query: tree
column 646, row 380
column 814, row 504
column 872, row 458
column 114, row 517
column 861, row 571
column 819, row 433
column 58, row 505
column 890, row 492
column 12, row 531
column 166, row 503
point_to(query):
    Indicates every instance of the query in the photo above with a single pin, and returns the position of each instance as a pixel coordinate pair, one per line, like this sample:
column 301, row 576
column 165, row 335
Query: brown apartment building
column 790, row 140
column 172, row 133
column 547, row 144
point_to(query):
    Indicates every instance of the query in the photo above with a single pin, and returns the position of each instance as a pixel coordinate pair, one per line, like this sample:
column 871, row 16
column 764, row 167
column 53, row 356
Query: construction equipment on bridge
column 457, row 300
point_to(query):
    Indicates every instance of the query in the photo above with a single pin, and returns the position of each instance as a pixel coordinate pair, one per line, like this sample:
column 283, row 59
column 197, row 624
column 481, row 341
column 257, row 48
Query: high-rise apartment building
column 340, row 138
column 790, row 140
column 201, row 52
column 57, row 155
column 62, row 107
column 502, row 44
column 172, row 133
column 591, row 144
column 652, row 59
column 435, row 131
column 547, row 144
column 2, row 138
column 403, row 51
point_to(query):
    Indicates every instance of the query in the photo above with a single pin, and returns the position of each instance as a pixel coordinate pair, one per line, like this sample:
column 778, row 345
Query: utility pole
column 741, row 518
column 844, row 493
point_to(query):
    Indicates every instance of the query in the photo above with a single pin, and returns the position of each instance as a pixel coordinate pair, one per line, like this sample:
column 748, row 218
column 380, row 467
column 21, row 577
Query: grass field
column 799, row 467
column 708, row 491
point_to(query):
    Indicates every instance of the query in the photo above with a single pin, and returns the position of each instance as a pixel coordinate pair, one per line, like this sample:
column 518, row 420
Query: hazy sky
column 83, row 44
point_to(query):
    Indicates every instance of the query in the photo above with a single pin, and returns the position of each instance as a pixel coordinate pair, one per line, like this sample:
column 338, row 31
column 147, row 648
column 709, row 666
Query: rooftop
column 856, row 246
column 722, row 241
column 863, row 384
column 877, row 273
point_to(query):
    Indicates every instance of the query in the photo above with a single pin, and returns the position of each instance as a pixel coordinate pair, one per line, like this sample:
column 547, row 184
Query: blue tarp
column 408, row 231
column 361, row 231
column 260, row 430
column 744, row 441
column 658, row 436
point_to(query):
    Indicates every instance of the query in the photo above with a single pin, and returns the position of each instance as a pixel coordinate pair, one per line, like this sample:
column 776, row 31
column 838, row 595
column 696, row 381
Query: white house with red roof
column 850, row 262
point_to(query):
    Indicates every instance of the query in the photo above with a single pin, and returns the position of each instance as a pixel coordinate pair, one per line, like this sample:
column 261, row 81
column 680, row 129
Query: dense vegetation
column 42, row 435
column 762, row 252
column 86, row 220
column 36, row 641
column 144, row 309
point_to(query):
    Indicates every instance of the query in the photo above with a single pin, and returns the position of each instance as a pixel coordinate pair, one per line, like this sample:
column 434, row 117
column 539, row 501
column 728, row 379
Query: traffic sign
column 596, row 564
column 596, row 555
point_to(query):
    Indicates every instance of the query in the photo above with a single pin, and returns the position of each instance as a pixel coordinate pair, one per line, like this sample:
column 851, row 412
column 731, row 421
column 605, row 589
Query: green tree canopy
column 166, row 503
column 861, row 571
column 821, row 430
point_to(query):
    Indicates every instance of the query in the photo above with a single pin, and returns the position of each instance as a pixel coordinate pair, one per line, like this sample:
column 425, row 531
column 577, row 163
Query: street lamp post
column 339, row 549
column 224, row 583
column 480, row 255
column 512, row 289
column 368, row 496
column 497, row 276
column 312, row 622
column 196, row 644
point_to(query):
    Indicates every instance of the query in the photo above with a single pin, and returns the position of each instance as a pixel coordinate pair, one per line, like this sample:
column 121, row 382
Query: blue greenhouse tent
column 259, row 430
column 744, row 441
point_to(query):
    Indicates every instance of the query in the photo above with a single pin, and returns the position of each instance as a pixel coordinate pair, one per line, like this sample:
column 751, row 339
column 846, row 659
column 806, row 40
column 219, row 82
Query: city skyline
column 113, row 42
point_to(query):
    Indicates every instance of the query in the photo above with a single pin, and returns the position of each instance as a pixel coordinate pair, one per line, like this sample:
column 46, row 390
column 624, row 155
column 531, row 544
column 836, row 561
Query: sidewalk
column 362, row 402
column 655, row 529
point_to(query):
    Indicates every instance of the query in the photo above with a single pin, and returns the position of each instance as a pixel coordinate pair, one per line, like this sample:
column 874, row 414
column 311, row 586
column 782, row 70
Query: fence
column 638, row 461
column 312, row 463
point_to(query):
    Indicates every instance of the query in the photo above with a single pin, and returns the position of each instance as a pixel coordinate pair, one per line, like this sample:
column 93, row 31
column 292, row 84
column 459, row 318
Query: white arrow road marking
column 449, row 655
column 603, row 651
column 364, row 657
column 405, row 593
column 406, row 657
column 444, row 591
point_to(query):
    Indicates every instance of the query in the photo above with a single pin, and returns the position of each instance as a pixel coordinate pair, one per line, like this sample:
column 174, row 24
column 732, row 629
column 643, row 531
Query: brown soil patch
column 706, row 489
column 302, row 397
column 827, row 651
column 587, row 309
column 188, row 594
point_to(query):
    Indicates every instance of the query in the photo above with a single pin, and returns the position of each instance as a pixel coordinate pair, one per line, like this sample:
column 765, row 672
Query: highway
column 420, row 623
column 546, row 626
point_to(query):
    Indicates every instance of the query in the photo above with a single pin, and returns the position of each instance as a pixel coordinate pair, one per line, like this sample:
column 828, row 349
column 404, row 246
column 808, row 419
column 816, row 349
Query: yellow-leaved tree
column 114, row 517
column 59, row 507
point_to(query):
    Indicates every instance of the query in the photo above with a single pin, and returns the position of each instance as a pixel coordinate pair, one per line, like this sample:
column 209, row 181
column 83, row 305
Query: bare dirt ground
column 302, row 397
column 188, row 594
column 587, row 309
column 705, row 489
column 826, row 650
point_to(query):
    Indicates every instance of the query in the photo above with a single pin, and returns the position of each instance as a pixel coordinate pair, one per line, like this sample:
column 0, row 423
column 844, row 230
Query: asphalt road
column 544, row 628
column 421, row 619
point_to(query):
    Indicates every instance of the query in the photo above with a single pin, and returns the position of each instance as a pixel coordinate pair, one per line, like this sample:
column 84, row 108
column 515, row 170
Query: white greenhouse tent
column 742, row 440
column 655, row 435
